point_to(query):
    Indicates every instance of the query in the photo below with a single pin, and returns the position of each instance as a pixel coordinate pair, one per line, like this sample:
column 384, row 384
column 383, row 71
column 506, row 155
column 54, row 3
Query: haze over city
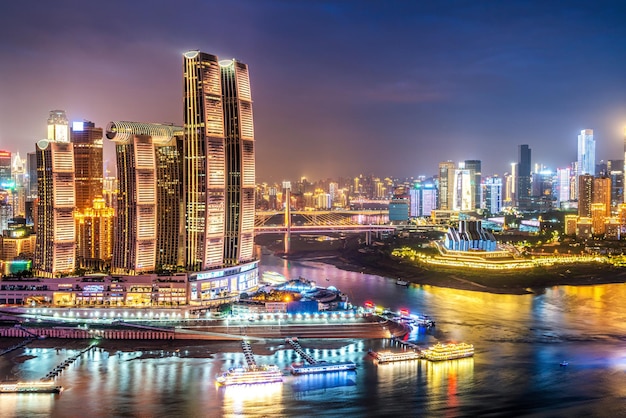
column 340, row 88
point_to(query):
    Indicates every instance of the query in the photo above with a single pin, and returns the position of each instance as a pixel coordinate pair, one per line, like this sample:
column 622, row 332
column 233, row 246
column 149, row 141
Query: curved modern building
column 219, row 167
column 149, row 201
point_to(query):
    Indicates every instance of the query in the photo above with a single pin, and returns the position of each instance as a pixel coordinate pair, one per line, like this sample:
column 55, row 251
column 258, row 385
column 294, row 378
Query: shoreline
column 532, row 281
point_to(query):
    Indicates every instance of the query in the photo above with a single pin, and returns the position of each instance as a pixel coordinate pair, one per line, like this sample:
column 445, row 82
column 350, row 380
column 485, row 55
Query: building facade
column 55, row 252
column 586, row 153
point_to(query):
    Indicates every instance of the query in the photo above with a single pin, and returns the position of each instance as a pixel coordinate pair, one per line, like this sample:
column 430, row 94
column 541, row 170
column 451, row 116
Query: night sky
column 340, row 88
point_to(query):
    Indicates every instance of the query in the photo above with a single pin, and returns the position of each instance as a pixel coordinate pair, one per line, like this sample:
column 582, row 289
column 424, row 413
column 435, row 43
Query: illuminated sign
column 93, row 288
column 5, row 154
column 78, row 126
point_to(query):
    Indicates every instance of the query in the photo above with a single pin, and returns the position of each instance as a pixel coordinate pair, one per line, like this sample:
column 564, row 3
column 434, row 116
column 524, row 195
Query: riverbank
column 501, row 282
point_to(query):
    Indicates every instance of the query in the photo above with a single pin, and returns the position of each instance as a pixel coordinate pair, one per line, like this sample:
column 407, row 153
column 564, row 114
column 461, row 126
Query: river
column 519, row 341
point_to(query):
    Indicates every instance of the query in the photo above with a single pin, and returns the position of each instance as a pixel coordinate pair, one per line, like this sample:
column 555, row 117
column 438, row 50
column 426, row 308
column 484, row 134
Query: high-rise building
column 5, row 167
column 423, row 198
column 446, row 185
column 493, row 194
column 523, row 177
column 585, row 195
column 149, row 214
column 616, row 174
column 87, row 142
column 474, row 166
column 602, row 193
column 55, row 251
column 58, row 126
column 563, row 176
column 94, row 236
column 586, row 153
column 240, row 163
column 31, row 169
column 463, row 190
column 219, row 167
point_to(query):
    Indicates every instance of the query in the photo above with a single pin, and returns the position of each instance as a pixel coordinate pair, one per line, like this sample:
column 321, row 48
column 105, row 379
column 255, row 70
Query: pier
column 247, row 352
column 293, row 342
column 16, row 346
column 52, row 374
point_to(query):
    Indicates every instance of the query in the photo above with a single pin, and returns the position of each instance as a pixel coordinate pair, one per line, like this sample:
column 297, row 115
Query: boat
column 250, row 375
column 440, row 352
column 322, row 367
column 400, row 282
column 389, row 356
column 564, row 363
column 30, row 387
column 273, row 278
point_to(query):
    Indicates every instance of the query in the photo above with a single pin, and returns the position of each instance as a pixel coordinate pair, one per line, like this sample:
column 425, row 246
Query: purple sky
column 339, row 87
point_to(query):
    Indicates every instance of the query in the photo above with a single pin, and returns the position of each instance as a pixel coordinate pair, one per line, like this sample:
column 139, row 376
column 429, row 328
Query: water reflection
column 321, row 381
column 244, row 400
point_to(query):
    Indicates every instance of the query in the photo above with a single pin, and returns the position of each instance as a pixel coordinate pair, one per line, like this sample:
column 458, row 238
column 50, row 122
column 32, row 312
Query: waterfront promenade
column 331, row 325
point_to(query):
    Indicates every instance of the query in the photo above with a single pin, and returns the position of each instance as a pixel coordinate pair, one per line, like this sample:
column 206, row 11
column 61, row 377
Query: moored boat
column 389, row 356
column 250, row 375
column 30, row 387
column 322, row 367
column 451, row 351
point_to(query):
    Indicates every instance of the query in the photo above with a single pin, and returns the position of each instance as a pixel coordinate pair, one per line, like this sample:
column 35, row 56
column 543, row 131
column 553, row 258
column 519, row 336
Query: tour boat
column 250, row 375
column 451, row 351
column 400, row 282
column 389, row 356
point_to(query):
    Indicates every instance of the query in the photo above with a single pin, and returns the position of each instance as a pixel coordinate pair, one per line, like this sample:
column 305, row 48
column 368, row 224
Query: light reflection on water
column 519, row 342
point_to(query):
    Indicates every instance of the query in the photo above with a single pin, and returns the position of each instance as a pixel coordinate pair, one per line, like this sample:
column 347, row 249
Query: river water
column 519, row 342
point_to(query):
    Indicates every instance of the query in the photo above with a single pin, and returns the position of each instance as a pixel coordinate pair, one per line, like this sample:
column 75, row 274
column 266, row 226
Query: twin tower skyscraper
column 185, row 197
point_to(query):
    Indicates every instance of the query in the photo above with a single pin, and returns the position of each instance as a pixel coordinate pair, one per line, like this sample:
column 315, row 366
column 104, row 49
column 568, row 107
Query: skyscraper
column 474, row 166
column 446, row 185
column 586, row 153
column 218, row 162
column 87, row 142
column 148, row 201
column 55, row 250
column 58, row 126
column 240, row 163
column 523, row 177
column 5, row 167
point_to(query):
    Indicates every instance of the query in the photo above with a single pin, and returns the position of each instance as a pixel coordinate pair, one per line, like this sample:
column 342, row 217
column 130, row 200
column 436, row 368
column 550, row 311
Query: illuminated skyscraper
column 218, row 162
column 463, row 190
column 585, row 195
column 563, row 178
column 55, row 250
column 148, row 219
column 5, row 167
column 493, row 194
column 523, row 188
column 87, row 141
column 586, row 153
column 58, row 126
column 446, row 185
column 476, row 178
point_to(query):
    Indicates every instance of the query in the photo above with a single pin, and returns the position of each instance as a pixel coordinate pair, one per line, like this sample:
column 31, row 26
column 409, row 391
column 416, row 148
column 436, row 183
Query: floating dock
column 316, row 366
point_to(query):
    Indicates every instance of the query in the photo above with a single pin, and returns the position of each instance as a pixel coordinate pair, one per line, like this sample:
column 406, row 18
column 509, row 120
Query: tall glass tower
column 586, row 153
column 218, row 170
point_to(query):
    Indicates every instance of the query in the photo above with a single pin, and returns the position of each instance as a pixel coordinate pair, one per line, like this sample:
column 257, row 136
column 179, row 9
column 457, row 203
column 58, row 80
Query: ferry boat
column 451, row 351
column 389, row 356
column 30, row 387
column 401, row 282
column 250, row 375
column 322, row 367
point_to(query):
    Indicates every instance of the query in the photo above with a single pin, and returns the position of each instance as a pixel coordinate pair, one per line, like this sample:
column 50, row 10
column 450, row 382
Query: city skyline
column 326, row 82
